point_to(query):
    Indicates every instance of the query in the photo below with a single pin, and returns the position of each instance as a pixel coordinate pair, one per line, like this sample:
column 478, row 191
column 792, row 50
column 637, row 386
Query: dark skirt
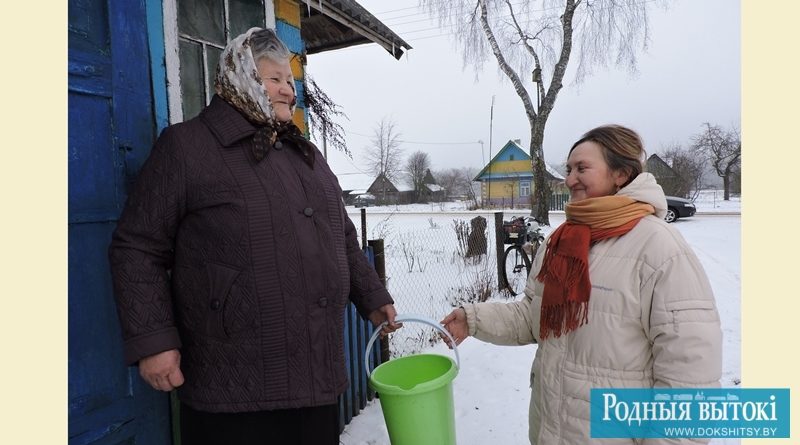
column 302, row 426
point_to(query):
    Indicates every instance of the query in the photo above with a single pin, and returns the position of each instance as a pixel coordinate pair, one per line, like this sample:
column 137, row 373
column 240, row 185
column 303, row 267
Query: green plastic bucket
column 416, row 393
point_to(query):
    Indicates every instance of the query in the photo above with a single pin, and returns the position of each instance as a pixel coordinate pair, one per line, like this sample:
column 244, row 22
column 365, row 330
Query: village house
column 507, row 180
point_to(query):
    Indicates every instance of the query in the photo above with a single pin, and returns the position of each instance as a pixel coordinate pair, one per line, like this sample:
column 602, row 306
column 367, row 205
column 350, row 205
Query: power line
column 451, row 26
column 350, row 161
column 395, row 10
column 500, row 17
column 388, row 21
column 417, row 142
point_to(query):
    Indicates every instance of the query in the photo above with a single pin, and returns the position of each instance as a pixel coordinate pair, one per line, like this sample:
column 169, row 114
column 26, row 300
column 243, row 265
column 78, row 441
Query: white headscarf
column 238, row 82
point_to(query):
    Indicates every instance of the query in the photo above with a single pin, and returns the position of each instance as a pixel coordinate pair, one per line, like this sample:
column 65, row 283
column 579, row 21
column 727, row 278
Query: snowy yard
column 491, row 392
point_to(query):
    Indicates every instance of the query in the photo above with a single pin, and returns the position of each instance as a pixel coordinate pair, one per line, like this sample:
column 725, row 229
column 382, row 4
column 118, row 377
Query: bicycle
column 524, row 236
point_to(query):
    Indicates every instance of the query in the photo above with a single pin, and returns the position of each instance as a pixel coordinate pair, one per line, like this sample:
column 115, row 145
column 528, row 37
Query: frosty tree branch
column 599, row 32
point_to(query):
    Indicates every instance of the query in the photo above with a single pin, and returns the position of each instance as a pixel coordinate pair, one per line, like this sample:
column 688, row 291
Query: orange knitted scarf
column 565, row 268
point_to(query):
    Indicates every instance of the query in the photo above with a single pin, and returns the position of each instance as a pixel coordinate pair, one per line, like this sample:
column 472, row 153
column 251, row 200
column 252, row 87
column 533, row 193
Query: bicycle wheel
column 516, row 267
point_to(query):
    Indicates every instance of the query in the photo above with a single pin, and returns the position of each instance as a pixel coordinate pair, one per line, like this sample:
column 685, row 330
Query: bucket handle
column 404, row 318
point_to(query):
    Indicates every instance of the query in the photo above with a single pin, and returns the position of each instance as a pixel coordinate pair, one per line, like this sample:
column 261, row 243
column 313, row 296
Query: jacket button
column 308, row 211
column 323, row 302
column 215, row 304
column 278, row 145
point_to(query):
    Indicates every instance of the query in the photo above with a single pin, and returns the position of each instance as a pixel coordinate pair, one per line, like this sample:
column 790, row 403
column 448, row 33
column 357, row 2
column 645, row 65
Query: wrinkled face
column 279, row 83
column 588, row 174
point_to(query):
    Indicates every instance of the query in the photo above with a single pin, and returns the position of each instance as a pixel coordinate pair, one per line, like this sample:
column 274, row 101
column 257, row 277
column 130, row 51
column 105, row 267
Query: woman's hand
column 385, row 313
column 163, row 370
column 456, row 325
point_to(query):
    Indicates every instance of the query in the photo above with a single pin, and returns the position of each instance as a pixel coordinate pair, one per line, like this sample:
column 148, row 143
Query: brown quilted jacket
column 244, row 266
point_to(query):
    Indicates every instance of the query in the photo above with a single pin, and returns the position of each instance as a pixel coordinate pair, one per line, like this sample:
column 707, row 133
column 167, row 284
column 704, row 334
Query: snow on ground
column 708, row 201
column 491, row 392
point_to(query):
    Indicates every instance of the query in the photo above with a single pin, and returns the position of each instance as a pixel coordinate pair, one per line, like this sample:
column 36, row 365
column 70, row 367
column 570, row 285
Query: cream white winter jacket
column 652, row 322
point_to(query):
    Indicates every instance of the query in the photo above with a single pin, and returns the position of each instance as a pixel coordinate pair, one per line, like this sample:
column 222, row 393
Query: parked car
column 678, row 208
column 364, row 200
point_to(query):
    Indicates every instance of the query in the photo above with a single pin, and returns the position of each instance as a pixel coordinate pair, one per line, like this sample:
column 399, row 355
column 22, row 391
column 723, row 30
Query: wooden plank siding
column 287, row 26
column 520, row 167
column 503, row 177
column 357, row 332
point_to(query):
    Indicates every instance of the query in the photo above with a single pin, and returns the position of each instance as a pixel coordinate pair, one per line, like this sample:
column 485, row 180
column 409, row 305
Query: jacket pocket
column 324, row 344
column 692, row 310
column 220, row 282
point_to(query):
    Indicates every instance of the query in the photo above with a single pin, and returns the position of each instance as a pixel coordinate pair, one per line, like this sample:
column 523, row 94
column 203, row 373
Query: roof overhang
column 334, row 24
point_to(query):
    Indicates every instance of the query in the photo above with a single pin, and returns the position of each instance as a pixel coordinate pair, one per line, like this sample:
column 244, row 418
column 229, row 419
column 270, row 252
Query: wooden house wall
column 287, row 26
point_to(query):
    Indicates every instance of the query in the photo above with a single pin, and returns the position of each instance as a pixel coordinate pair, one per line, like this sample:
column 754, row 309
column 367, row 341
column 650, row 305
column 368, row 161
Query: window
column 204, row 27
column 524, row 188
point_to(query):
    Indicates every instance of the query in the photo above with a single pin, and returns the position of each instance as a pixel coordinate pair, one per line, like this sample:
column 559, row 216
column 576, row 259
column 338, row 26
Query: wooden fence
column 357, row 332
column 558, row 201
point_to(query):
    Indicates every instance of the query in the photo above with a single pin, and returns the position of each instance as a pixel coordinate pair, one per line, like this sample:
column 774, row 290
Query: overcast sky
column 690, row 74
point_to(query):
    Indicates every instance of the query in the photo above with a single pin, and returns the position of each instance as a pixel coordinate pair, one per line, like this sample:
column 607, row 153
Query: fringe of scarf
column 565, row 268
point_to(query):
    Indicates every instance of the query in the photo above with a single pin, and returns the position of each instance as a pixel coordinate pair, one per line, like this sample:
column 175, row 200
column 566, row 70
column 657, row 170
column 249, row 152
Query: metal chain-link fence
column 434, row 263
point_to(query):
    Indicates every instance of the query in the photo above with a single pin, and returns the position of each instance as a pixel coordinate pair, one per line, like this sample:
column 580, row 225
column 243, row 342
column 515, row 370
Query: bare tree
column 458, row 182
column 538, row 37
column 689, row 166
column 416, row 167
column 724, row 151
column 467, row 176
column 384, row 155
column 449, row 179
column 512, row 189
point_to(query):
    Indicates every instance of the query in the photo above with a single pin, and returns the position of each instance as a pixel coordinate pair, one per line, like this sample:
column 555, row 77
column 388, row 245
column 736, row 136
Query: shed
column 666, row 176
column 354, row 184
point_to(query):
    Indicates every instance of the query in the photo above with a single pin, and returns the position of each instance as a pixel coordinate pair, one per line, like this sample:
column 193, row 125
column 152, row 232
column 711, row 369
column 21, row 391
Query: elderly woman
column 233, row 261
column 617, row 299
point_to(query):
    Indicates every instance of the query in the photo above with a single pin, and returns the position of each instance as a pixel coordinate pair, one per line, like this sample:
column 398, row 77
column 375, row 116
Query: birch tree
column 541, row 37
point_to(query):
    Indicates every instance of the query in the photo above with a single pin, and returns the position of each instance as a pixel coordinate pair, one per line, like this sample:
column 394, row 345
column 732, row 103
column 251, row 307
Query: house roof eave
column 335, row 24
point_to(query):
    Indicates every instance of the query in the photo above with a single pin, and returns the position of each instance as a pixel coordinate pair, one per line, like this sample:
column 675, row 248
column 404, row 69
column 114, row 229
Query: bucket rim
column 443, row 380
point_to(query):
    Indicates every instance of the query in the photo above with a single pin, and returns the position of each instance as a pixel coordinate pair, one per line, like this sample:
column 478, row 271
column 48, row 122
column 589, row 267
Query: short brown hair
column 622, row 148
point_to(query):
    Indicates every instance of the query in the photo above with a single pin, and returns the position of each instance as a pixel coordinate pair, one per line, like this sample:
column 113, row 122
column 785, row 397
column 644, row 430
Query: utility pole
column 324, row 143
column 489, row 168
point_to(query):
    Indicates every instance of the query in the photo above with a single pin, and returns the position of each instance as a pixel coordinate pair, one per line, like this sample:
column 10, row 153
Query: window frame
column 524, row 185
column 172, row 63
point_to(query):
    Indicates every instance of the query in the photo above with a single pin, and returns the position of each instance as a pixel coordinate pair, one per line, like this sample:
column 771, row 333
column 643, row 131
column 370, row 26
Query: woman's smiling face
column 588, row 173
column 279, row 83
